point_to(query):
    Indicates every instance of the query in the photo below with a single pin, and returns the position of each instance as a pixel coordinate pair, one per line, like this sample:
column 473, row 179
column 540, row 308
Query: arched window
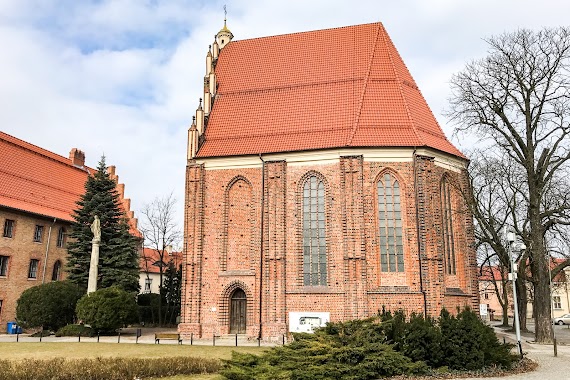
column 447, row 224
column 390, row 224
column 56, row 274
column 314, row 238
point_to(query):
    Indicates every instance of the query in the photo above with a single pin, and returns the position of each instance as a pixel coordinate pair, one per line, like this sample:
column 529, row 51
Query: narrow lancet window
column 390, row 224
column 314, row 238
column 447, row 224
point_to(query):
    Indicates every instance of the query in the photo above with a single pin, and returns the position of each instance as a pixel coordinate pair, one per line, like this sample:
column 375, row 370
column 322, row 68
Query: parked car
column 563, row 320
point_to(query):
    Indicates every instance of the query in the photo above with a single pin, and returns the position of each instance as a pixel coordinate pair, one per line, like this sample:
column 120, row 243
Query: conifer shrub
column 108, row 309
column 344, row 350
column 75, row 330
column 383, row 346
column 50, row 305
column 421, row 341
column 468, row 344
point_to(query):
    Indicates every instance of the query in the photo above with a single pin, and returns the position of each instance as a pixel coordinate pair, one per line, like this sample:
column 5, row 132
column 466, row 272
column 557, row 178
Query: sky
column 122, row 78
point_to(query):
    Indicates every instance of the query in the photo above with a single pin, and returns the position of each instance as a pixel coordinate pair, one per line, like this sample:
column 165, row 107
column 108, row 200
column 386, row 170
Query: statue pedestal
column 93, row 267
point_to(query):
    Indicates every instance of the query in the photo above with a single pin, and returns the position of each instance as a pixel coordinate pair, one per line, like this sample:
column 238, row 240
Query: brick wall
column 20, row 249
column 225, row 251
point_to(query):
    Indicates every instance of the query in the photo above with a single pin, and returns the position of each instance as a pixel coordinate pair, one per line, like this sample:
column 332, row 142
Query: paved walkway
column 549, row 366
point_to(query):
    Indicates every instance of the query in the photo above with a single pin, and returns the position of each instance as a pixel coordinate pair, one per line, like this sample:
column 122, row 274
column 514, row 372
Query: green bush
column 384, row 346
column 51, row 305
column 344, row 350
column 105, row 368
column 107, row 309
column 468, row 344
column 75, row 330
column 421, row 341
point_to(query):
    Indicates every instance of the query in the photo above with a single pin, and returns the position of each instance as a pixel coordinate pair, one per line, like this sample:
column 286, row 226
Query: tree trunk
column 540, row 271
column 505, row 305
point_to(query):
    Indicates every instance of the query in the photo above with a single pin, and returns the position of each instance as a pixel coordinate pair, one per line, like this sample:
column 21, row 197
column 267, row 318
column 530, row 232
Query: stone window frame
column 4, row 261
column 447, row 220
column 401, row 187
column 300, row 206
column 33, row 269
column 38, row 233
column 8, row 228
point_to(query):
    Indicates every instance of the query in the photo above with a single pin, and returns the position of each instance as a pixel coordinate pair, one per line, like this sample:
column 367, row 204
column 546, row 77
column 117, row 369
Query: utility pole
column 513, row 278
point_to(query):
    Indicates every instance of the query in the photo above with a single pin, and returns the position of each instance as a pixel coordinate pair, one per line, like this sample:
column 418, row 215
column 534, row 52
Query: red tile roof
column 341, row 87
column 38, row 181
column 149, row 257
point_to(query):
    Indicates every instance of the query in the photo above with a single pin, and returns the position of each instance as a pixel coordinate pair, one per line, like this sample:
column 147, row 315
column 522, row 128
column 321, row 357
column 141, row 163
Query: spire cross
column 225, row 14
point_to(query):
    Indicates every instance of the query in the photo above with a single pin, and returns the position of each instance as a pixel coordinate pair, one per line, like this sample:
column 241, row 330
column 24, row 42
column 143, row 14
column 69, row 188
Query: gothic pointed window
column 447, row 227
column 314, row 235
column 390, row 224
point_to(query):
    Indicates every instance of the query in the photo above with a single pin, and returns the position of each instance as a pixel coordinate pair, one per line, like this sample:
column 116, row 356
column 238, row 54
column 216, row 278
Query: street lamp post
column 513, row 278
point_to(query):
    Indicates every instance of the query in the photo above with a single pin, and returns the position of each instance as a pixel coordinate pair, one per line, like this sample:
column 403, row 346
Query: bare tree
column 161, row 234
column 517, row 99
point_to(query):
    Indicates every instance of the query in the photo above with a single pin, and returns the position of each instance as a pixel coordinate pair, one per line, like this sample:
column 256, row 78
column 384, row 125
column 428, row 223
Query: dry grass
column 26, row 357
column 76, row 350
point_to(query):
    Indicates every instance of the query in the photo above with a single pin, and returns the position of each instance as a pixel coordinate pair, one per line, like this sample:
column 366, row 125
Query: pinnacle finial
column 225, row 15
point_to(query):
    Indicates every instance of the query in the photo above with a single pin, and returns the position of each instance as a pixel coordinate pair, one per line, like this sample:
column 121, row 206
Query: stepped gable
column 333, row 88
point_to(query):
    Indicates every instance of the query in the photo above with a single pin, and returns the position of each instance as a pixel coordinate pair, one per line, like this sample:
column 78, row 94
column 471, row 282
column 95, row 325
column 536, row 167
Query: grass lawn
column 73, row 350
column 76, row 350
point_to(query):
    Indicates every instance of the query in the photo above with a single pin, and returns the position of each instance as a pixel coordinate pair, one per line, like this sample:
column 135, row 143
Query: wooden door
column 238, row 312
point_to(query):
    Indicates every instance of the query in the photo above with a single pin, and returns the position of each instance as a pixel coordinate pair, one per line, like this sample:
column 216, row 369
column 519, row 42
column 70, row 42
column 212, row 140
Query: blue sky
column 123, row 77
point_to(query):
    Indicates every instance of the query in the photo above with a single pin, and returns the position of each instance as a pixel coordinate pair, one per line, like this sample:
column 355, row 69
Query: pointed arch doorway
column 238, row 312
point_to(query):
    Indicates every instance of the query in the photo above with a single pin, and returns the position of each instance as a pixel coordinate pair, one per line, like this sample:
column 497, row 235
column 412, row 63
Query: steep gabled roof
column 35, row 180
column 38, row 181
column 341, row 87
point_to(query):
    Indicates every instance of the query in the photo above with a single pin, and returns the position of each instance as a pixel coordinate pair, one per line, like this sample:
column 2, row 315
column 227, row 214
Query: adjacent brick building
column 38, row 191
column 319, row 187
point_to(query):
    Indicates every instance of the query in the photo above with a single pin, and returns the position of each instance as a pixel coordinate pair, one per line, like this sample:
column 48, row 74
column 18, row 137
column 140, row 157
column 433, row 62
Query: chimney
column 77, row 157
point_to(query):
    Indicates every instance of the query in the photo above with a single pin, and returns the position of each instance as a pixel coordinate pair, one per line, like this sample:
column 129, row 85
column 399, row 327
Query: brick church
column 319, row 187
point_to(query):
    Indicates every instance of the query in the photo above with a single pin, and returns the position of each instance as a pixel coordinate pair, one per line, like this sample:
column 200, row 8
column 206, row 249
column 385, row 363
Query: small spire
column 225, row 15
column 194, row 121
column 200, row 106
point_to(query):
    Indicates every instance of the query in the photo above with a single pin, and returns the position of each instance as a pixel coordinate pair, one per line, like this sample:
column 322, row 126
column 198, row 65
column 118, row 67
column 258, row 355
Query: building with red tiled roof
column 38, row 193
column 319, row 186
column 150, row 263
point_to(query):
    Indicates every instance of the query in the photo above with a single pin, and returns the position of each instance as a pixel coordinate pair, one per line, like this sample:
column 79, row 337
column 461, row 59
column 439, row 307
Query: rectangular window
column 486, row 295
column 556, row 302
column 61, row 237
column 3, row 266
column 33, row 271
column 1, row 302
column 38, row 232
column 147, row 283
column 8, row 228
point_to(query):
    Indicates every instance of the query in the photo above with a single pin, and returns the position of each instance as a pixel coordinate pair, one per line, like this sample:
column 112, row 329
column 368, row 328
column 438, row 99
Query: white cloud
column 123, row 77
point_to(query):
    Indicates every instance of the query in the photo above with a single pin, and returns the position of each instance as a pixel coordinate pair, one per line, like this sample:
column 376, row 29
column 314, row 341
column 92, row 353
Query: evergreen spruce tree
column 118, row 254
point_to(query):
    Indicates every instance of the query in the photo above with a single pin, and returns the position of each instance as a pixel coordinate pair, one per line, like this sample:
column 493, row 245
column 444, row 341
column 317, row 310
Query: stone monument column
column 94, row 265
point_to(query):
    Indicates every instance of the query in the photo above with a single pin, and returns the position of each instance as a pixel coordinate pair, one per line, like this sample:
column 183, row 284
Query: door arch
column 238, row 312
